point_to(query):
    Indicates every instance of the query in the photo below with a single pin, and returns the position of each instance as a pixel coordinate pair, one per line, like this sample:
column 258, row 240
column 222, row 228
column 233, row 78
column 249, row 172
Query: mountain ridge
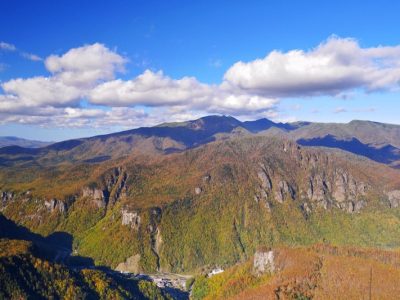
column 179, row 136
column 16, row 141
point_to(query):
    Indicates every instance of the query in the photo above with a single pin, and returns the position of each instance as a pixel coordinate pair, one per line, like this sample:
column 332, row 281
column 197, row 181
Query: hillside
column 317, row 272
column 24, row 275
column 212, row 205
column 131, row 203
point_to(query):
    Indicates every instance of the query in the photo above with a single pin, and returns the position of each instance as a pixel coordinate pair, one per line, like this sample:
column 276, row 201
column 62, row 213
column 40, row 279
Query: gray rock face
column 55, row 205
column 113, row 187
column 312, row 178
column 265, row 189
column 266, row 182
column 339, row 189
column 284, row 191
column 131, row 219
column 115, row 184
column 97, row 195
column 394, row 198
column 318, row 189
column 263, row 262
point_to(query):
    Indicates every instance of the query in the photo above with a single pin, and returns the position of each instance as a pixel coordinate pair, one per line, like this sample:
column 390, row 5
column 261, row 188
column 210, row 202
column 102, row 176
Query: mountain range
column 200, row 195
column 377, row 141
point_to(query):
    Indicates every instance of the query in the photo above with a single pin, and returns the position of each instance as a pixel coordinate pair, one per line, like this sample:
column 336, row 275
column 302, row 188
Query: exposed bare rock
column 347, row 188
column 54, row 204
column 318, row 188
column 340, row 190
column 394, row 198
column 345, row 193
column 284, row 191
column 197, row 190
column 115, row 183
column 131, row 265
column 112, row 188
column 131, row 219
column 266, row 182
column 97, row 195
column 263, row 262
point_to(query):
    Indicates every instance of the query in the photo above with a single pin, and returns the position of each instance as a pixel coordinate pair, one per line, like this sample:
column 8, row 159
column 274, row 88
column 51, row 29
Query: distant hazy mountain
column 15, row 141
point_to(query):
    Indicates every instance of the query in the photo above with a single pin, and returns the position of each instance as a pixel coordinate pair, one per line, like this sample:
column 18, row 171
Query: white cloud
column 30, row 56
column 334, row 66
column 42, row 91
column 10, row 47
column 85, row 66
column 249, row 90
column 74, row 74
column 156, row 89
column 7, row 46
column 149, row 88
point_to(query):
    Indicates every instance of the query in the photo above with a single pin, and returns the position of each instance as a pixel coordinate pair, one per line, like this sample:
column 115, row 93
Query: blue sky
column 200, row 40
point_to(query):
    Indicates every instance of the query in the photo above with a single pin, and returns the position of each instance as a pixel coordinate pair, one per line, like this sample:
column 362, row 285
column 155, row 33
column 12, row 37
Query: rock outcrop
column 311, row 178
column 340, row 189
column 284, row 191
column 394, row 198
column 55, row 205
column 111, row 187
column 264, row 262
column 131, row 219
column 97, row 195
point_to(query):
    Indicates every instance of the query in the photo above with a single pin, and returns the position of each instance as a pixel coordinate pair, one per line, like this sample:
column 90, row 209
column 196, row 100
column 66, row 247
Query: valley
column 150, row 213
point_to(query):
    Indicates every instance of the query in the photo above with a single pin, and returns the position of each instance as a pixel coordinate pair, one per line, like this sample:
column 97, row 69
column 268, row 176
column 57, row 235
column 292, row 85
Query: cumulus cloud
column 125, row 117
column 85, row 65
column 39, row 91
column 82, row 87
column 73, row 75
column 156, row 89
column 149, row 88
column 334, row 66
